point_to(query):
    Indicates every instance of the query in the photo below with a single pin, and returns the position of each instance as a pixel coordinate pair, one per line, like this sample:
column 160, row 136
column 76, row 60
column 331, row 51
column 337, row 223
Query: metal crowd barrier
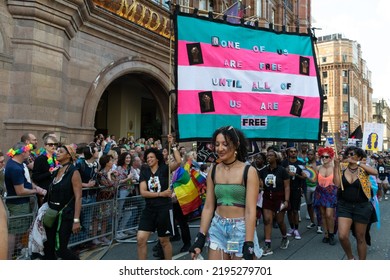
column 102, row 222
column 20, row 218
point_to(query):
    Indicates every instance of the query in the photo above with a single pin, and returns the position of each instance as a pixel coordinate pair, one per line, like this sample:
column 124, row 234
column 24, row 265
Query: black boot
column 331, row 239
column 157, row 246
column 159, row 254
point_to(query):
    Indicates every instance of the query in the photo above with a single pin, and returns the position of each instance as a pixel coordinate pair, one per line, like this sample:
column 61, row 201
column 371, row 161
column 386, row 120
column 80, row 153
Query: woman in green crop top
column 229, row 214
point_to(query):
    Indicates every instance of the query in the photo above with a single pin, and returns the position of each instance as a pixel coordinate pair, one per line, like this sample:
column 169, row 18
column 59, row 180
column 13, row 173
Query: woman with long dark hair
column 229, row 213
column 126, row 187
column 354, row 208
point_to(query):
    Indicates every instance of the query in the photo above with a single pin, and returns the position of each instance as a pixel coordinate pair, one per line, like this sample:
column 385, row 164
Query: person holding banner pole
column 157, row 214
column 354, row 208
column 229, row 214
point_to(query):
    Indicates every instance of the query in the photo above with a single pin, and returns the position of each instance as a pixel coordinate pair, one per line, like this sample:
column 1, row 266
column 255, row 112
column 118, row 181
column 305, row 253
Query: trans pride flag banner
column 263, row 82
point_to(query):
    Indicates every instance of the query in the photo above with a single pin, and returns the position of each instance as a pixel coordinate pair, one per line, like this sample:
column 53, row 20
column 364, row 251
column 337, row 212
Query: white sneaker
column 96, row 242
column 290, row 232
column 386, row 197
column 297, row 236
column 131, row 232
column 284, row 243
column 120, row 235
column 312, row 225
column 105, row 240
column 319, row 230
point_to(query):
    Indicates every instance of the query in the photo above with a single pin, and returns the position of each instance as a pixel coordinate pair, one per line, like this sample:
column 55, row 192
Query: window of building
column 325, row 89
column 259, row 8
column 325, row 127
column 324, row 74
column 203, row 5
column 344, row 73
column 345, row 88
column 162, row 3
column 344, row 57
column 323, row 59
column 325, row 107
column 345, row 106
column 186, row 4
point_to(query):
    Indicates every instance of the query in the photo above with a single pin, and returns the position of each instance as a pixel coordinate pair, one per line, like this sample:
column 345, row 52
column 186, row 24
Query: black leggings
column 64, row 234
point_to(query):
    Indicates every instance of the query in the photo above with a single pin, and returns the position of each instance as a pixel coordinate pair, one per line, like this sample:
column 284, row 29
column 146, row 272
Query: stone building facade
column 346, row 83
column 77, row 67
column 58, row 57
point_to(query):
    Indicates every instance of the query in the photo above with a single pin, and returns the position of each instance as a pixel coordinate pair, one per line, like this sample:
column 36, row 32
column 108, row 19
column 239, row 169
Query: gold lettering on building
column 140, row 14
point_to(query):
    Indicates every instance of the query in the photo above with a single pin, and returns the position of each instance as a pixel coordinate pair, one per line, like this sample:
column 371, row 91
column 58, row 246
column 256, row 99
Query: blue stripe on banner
column 204, row 125
column 293, row 44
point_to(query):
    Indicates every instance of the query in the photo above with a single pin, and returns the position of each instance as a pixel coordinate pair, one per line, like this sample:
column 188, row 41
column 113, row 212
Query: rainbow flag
column 192, row 167
column 186, row 191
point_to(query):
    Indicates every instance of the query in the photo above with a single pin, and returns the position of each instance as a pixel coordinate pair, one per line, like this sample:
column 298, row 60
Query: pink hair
column 326, row 150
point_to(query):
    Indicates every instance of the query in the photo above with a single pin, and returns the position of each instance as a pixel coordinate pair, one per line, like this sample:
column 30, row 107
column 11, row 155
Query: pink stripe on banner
column 235, row 103
column 243, row 59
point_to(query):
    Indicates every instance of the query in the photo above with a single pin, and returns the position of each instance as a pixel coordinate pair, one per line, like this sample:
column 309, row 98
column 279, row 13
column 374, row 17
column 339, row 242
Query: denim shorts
column 224, row 229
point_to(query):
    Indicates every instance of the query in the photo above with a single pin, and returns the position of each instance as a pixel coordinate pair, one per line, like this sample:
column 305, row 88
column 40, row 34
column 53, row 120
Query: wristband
column 199, row 242
column 76, row 221
column 248, row 250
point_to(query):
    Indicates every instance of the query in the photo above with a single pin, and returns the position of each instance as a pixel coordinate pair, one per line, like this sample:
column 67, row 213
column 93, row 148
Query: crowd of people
column 337, row 187
column 62, row 178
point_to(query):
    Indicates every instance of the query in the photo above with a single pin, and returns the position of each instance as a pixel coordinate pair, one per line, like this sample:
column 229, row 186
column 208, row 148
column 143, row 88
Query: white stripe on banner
column 209, row 78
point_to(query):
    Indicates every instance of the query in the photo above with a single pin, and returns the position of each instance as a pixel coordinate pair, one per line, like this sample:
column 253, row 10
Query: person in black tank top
column 64, row 196
column 354, row 209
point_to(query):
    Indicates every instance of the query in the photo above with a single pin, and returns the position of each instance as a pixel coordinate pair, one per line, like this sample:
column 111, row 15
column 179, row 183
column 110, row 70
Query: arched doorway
column 128, row 107
column 129, row 97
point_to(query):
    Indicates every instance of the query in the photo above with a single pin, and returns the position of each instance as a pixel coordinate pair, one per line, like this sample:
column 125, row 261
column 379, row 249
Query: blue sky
column 366, row 22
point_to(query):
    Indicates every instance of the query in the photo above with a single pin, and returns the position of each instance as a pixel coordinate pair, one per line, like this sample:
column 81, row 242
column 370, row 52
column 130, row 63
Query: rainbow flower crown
column 11, row 152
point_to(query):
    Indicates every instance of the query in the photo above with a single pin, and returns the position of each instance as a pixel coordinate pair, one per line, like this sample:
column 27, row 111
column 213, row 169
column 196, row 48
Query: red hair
column 326, row 150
